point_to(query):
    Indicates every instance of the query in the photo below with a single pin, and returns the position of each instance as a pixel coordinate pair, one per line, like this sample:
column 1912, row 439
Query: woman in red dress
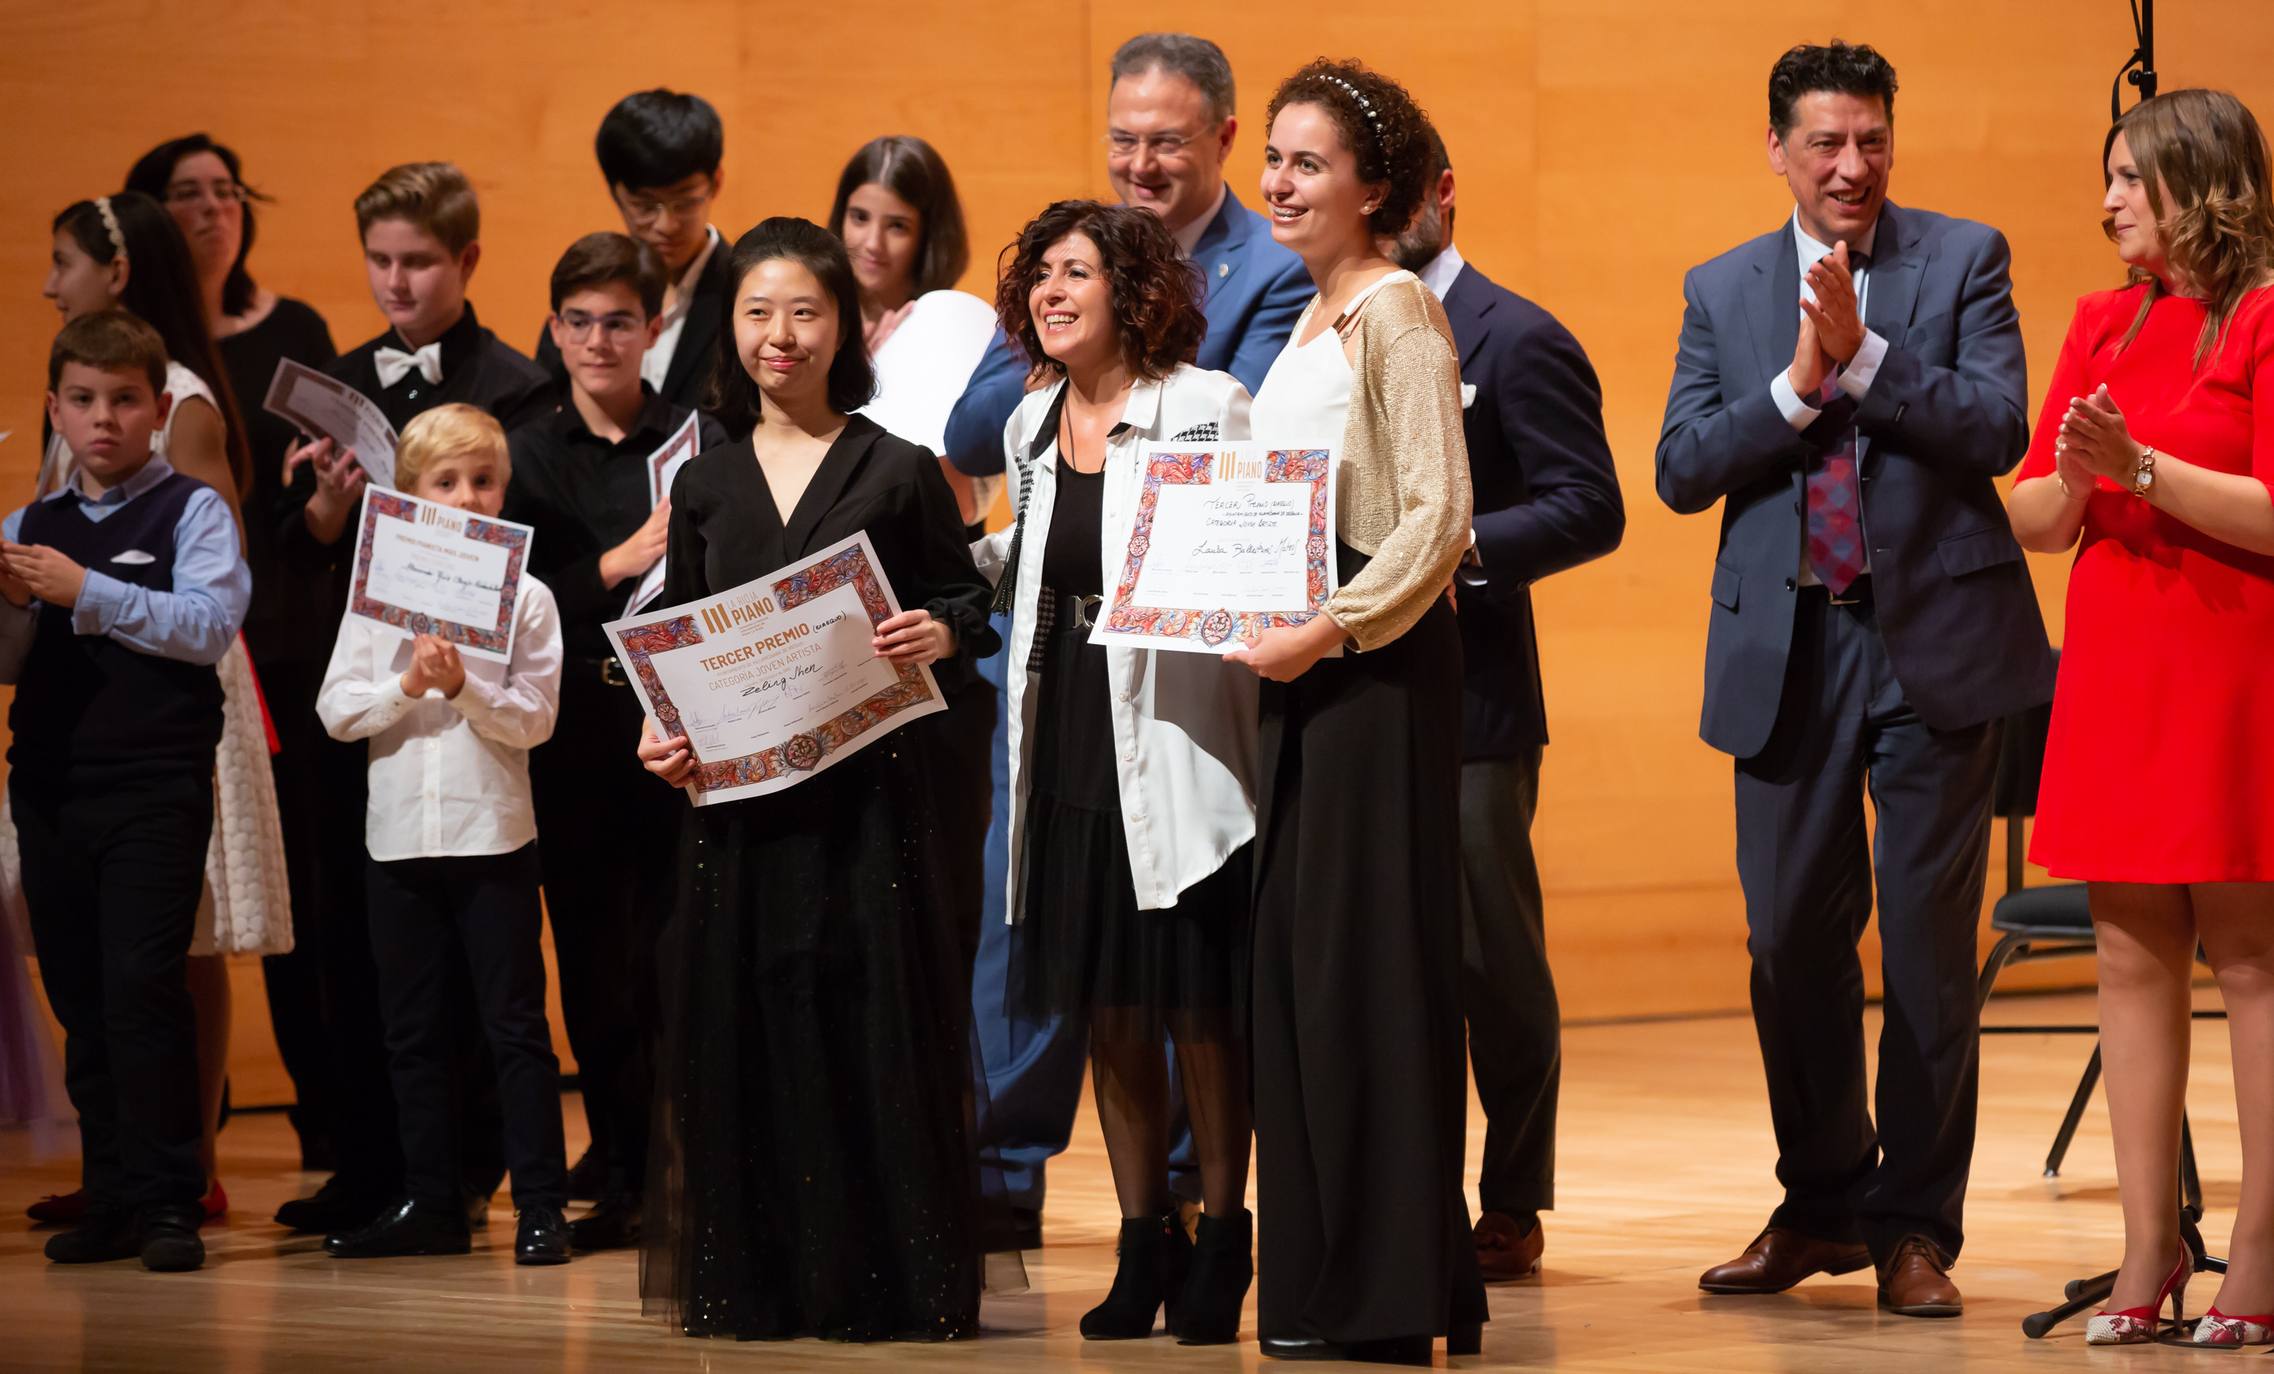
column 2154, row 458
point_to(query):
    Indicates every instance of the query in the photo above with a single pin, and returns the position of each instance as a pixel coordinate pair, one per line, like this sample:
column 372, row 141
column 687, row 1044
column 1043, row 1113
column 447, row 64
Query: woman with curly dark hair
column 1361, row 1092
column 1132, row 772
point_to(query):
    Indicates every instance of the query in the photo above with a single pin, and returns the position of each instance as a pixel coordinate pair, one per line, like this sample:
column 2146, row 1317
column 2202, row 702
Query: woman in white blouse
column 1132, row 772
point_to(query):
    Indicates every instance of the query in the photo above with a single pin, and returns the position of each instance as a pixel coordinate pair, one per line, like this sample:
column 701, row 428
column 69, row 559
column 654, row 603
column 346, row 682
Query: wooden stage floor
column 1665, row 1169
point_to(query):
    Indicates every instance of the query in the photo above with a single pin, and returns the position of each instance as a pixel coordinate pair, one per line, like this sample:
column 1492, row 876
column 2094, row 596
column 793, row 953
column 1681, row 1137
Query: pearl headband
column 110, row 225
column 1366, row 108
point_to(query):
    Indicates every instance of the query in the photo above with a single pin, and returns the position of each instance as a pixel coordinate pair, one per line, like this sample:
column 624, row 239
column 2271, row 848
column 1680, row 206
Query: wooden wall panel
column 1603, row 147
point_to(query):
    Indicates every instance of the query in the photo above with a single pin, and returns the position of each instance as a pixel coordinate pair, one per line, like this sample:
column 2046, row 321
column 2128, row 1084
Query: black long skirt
column 810, row 1173
column 1361, row 1093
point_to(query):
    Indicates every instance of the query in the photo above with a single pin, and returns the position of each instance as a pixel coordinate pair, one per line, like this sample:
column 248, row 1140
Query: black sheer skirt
column 1090, row 951
column 811, row 1173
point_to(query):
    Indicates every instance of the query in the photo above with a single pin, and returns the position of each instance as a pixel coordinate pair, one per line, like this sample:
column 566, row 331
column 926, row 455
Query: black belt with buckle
column 1857, row 594
column 610, row 670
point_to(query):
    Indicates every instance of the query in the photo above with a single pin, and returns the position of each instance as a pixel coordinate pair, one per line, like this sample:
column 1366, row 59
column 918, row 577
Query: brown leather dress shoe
column 1914, row 1281
column 1780, row 1257
column 1505, row 1255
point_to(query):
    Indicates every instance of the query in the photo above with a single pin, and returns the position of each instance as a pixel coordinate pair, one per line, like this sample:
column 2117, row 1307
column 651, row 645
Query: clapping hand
column 636, row 555
column 435, row 664
column 2095, row 438
column 1839, row 324
column 874, row 335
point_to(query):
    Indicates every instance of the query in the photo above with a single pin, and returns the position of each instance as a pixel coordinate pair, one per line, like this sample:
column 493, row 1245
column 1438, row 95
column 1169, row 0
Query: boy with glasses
column 581, row 479
column 660, row 152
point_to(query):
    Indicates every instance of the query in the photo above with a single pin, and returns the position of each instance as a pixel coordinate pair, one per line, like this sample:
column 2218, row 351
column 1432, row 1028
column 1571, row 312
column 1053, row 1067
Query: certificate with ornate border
column 1226, row 542
column 422, row 568
column 777, row 679
column 662, row 468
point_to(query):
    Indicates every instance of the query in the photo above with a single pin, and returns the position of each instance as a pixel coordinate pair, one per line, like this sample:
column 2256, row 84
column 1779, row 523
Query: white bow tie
column 394, row 364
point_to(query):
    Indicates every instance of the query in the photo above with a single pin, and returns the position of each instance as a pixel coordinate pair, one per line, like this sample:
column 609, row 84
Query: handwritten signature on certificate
column 778, row 678
column 1223, row 543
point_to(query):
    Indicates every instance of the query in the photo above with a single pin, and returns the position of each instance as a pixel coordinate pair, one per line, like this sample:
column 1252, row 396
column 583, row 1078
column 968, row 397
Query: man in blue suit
column 1169, row 129
column 1547, row 499
column 1850, row 386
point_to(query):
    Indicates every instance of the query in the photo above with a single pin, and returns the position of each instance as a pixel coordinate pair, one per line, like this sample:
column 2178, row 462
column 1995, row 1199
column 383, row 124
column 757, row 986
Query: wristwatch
column 2144, row 476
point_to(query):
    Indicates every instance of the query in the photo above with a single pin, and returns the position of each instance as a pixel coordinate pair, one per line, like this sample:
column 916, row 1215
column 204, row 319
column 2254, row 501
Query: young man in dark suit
column 1547, row 499
column 420, row 229
column 1850, row 386
column 661, row 153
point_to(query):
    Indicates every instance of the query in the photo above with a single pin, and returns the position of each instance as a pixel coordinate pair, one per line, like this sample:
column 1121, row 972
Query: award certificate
column 1227, row 541
column 662, row 466
column 423, row 568
column 777, row 679
column 329, row 409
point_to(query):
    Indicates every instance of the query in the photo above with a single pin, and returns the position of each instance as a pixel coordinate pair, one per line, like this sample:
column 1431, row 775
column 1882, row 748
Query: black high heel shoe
column 1154, row 1257
column 1222, row 1269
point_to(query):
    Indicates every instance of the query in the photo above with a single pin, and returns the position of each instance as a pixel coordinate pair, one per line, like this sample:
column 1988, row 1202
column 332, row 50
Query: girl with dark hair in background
column 812, row 1174
column 288, row 631
column 124, row 251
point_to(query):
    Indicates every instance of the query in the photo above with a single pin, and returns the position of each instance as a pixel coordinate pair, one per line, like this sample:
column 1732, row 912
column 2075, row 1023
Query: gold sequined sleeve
column 1413, row 389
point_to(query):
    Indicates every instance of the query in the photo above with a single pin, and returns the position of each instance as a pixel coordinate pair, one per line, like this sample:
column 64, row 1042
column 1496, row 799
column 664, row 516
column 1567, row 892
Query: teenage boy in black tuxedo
column 580, row 478
column 660, row 153
column 420, row 226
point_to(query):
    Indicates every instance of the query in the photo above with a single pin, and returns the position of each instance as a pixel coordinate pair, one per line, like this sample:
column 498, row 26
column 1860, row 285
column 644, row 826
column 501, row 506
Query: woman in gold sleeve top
column 1360, row 1084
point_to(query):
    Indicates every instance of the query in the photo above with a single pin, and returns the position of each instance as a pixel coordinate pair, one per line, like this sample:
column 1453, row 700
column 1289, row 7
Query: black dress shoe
column 342, row 1204
column 588, row 1177
column 542, row 1237
column 103, row 1233
column 1413, row 1350
column 613, row 1224
column 169, row 1243
column 408, row 1228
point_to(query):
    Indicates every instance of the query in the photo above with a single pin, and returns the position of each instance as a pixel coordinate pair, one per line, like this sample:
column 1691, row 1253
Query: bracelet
column 2144, row 476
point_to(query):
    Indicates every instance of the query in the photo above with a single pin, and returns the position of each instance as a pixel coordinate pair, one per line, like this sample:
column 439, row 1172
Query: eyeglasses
column 642, row 211
column 616, row 328
column 1163, row 147
column 220, row 192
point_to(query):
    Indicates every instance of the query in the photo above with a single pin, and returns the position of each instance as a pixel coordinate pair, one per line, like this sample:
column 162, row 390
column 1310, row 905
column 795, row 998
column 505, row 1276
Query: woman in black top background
column 289, row 627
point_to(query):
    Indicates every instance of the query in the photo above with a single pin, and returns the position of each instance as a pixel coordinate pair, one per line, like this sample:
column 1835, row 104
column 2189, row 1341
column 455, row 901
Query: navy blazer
column 687, row 382
column 1255, row 290
column 1547, row 497
column 1945, row 417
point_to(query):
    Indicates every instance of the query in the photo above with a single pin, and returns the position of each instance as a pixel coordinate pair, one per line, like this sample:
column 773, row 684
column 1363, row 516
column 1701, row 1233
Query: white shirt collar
column 1439, row 274
column 1188, row 238
column 1811, row 250
column 693, row 274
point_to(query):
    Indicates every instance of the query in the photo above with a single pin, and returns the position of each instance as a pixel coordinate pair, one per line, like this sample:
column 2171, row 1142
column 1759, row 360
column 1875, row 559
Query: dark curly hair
column 1854, row 69
column 1156, row 293
column 852, row 379
column 1379, row 121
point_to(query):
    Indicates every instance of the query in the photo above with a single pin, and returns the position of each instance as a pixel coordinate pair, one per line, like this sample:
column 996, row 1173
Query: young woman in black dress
column 811, row 1175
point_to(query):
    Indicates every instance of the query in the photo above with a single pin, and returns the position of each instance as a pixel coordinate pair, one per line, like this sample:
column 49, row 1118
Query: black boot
column 1154, row 1255
column 1221, row 1272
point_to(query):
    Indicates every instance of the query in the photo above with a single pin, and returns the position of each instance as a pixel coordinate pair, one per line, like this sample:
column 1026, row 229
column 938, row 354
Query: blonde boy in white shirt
column 454, row 875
